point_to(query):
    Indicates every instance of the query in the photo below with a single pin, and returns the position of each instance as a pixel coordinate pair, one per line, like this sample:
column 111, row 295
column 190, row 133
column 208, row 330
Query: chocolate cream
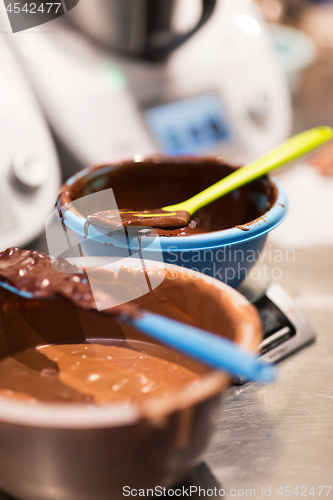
column 55, row 345
column 160, row 181
column 158, row 218
column 99, row 373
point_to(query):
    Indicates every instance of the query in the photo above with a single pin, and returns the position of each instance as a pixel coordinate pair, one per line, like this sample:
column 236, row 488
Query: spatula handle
column 207, row 347
column 290, row 150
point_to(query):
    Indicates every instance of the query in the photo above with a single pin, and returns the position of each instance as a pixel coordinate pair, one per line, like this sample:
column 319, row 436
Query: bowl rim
column 78, row 416
column 215, row 239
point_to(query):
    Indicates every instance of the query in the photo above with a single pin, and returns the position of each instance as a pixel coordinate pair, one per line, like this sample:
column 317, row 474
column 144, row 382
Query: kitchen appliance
column 285, row 327
column 139, row 28
column 221, row 92
column 29, row 168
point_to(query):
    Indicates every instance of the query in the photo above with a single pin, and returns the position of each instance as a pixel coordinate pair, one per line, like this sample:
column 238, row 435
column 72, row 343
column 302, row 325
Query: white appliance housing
column 103, row 107
column 29, row 169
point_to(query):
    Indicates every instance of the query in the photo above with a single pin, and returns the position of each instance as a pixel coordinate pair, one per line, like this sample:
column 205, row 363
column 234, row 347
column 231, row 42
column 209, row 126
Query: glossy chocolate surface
column 162, row 181
column 156, row 218
column 91, row 373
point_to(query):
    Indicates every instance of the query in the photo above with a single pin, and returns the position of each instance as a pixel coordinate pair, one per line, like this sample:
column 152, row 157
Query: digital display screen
column 189, row 126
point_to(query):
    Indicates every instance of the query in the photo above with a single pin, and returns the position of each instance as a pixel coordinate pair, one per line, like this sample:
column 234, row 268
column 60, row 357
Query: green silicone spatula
column 179, row 215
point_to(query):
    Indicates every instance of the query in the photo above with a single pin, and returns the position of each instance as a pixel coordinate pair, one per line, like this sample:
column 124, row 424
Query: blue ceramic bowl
column 227, row 255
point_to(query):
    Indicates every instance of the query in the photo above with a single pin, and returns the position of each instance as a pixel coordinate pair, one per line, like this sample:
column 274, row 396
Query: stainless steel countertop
column 282, row 434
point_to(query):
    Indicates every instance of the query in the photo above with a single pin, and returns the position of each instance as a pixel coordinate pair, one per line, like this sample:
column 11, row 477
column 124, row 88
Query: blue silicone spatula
column 204, row 346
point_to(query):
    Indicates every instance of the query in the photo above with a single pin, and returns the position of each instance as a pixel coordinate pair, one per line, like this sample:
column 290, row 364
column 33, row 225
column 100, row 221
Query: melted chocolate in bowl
column 159, row 182
column 89, row 452
column 91, row 373
column 56, row 347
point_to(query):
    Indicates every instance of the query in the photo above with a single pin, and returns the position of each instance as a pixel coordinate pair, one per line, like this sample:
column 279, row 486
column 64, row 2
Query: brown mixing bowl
column 84, row 451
